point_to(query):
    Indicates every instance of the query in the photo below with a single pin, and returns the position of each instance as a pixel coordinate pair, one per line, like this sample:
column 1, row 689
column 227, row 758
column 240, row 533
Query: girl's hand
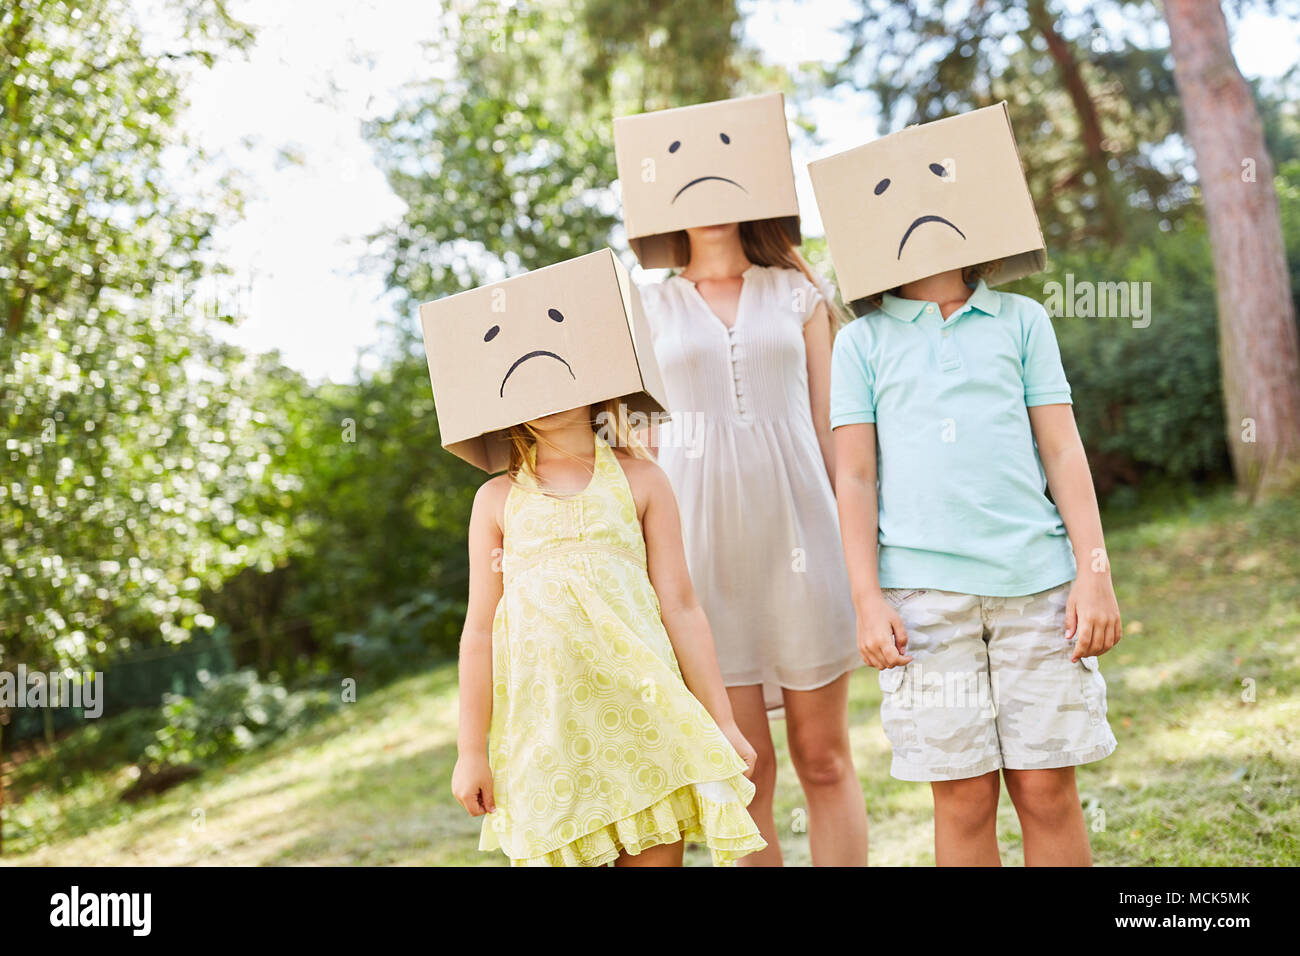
column 471, row 783
column 741, row 746
column 1092, row 615
column 882, row 639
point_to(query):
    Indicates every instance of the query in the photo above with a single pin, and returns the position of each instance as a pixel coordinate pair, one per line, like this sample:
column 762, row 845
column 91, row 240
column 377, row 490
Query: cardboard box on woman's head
column 557, row 338
column 703, row 165
column 945, row 195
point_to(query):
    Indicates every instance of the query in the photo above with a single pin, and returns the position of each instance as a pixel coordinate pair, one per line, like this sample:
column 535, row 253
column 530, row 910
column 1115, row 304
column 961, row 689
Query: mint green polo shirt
column 962, row 490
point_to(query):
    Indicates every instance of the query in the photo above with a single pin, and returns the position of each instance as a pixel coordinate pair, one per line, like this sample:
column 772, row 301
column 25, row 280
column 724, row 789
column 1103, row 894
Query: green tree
column 131, row 461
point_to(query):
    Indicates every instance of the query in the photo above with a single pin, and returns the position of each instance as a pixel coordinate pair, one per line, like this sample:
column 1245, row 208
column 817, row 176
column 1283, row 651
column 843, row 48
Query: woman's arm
column 471, row 780
column 683, row 617
column 1092, row 614
column 882, row 639
column 817, row 347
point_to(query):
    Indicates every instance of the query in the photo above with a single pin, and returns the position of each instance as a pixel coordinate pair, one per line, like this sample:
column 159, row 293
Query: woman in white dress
column 743, row 338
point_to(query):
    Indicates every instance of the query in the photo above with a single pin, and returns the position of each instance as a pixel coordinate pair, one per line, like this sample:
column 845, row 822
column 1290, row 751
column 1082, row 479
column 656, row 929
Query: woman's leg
column 966, row 821
column 666, row 854
column 1051, row 817
column 817, row 728
column 751, row 717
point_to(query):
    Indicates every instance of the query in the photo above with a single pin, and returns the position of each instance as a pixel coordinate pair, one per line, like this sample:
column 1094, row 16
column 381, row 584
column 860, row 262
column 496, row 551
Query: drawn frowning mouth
column 920, row 221
column 703, row 179
column 532, row 355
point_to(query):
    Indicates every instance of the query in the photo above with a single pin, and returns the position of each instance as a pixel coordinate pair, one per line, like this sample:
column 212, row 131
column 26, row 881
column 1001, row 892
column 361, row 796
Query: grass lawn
column 1202, row 698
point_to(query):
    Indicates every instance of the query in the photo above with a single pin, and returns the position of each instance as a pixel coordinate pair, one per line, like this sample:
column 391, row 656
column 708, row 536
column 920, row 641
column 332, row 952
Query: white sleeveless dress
column 758, row 513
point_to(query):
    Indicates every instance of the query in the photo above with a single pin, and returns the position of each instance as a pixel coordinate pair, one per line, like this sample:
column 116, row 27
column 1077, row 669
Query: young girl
column 743, row 338
column 594, row 727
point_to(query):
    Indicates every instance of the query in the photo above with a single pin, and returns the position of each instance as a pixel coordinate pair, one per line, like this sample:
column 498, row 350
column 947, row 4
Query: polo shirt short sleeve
column 1044, row 377
column 853, row 401
column 962, row 492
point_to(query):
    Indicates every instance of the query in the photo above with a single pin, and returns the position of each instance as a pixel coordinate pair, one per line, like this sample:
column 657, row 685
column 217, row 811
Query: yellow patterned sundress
column 596, row 744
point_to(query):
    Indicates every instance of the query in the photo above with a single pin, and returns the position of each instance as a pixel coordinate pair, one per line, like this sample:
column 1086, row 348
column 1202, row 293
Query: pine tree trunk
column 1257, row 322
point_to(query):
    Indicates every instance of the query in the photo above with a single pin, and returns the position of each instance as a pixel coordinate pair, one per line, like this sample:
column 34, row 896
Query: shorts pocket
column 1093, row 688
column 896, row 717
column 892, row 679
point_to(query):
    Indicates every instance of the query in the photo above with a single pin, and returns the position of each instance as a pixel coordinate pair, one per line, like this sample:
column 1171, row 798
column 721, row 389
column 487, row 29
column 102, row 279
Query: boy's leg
column 1051, row 817
column 938, row 715
column 965, row 821
column 1051, row 718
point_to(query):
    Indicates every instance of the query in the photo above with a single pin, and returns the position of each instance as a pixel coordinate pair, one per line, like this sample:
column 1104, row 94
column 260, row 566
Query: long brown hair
column 766, row 243
column 610, row 418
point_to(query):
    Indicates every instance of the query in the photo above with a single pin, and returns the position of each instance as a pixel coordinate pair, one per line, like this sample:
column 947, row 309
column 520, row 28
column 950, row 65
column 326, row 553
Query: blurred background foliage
column 162, row 493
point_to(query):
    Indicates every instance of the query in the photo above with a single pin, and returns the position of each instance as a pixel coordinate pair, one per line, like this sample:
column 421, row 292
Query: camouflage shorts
column 990, row 686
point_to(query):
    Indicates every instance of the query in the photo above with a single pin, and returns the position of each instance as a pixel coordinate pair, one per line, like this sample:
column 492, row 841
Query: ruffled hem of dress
column 725, row 827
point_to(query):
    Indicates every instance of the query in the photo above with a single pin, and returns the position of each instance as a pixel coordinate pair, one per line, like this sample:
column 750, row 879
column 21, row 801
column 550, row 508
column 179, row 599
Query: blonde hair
column 766, row 243
column 969, row 275
column 610, row 418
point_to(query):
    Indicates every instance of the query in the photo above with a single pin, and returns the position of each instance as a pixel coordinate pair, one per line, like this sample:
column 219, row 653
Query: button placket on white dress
column 737, row 386
column 733, row 343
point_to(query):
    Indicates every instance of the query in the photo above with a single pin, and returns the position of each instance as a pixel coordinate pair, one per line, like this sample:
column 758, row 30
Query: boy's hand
column 882, row 639
column 471, row 783
column 1092, row 615
column 741, row 745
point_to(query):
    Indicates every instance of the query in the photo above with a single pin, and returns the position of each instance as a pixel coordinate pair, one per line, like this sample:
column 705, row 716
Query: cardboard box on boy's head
column 547, row 341
column 703, row 165
column 945, row 195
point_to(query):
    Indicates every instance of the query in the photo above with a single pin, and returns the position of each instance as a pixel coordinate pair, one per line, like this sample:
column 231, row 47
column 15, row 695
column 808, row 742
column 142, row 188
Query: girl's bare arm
column 472, row 780
column 817, row 348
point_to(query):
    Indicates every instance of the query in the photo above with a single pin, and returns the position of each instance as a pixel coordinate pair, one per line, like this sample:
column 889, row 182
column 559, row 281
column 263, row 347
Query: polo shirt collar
column 906, row 310
column 985, row 299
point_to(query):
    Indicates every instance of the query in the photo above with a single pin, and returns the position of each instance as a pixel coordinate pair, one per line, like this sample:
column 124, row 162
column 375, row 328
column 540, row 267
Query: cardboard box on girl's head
column 703, row 165
column 945, row 195
column 547, row 341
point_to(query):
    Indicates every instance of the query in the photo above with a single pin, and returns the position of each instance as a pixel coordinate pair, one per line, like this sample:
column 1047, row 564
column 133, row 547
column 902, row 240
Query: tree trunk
column 1095, row 158
column 1257, row 328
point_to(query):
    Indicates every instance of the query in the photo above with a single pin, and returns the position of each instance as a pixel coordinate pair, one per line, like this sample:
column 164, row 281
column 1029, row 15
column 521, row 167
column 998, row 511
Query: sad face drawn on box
column 555, row 315
column 673, row 149
column 551, row 340
column 927, row 199
column 521, row 348
column 937, row 169
column 703, row 165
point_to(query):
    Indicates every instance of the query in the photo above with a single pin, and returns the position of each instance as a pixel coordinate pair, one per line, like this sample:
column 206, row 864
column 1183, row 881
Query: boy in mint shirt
column 982, row 603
